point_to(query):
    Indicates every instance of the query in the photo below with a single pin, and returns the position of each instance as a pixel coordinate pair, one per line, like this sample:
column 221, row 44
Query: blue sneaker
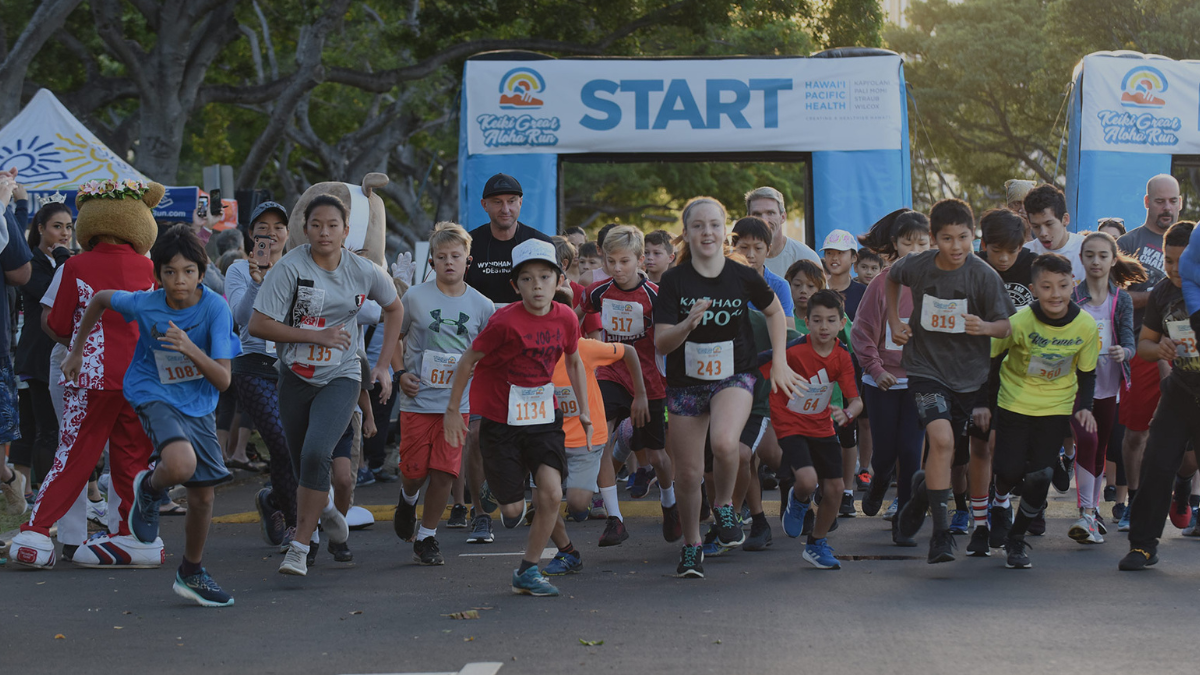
column 631, row 481
column 143, row 514
column 821, row 555
column 564, row 563
column 1123, row 524
column 961, row 522
column 793, row 517
column 890, row 514
column 532, row 583
column 710, row 547
column 201, row 589
column 642, row 482
column 486, row 499
column 365, row 477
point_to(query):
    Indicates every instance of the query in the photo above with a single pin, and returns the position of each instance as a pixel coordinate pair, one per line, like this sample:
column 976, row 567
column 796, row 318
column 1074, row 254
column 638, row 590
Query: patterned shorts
column 694, row 401
column 10, row 424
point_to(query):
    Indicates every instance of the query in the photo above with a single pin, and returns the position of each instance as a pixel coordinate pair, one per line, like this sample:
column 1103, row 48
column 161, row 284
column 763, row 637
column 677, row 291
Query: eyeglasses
column 1110, row 221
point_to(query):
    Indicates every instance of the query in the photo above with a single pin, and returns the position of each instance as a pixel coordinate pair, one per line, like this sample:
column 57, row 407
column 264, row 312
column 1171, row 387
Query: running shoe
column 1001, row 522
column 960, row 522
column 1138, row 559
column 1018, row 559
column 1097, row 536
column 201, row 589
column 270, row 519
column 1110, row 493
column 404, row 520
column 1180, row 512
column 890, row 514
column 643, row 480
column 1063, row 469
column 1080, row 531
column 106, row 551
column 97, row 513
column 691, row 563
column 288, row 535
column 901, row 540
column 979, row 546
column 847, row 510
column 427, row 552
column 820, row 555
column 295, row 561
column 531, row 582
column 486, row 499
column 759, row 538
column 382, row 476
column 458, row 517
column 614, row 532
column 1118, row 510
column 872, row 499
column 710, row 547
column 1037, row 525
column 510, row 523
column 14, row 493
column 630, row 480
column 530, row 509
column 30, row 549
column 672, row 524
column 598, row 511
column 341, row 552
column 767, row 478
column 729, row 532
column 333, row 522
column 1193, row 528
column 481, row 530
column 1123, row 524
column 564, row 564
column 1101, row 526
column 143, row 513
column 793, row 516
column 941, row 547
column 365, row 477
column 863, row 481
column 912, row 516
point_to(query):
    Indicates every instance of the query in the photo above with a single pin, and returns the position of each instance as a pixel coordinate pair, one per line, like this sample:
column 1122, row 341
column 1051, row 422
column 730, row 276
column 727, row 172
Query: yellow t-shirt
column 1037, row 377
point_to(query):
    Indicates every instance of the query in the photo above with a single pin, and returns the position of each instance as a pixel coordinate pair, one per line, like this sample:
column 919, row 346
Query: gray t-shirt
column 299, row 293
column 437, row 329
column 792, row 251
column 955, row 359
column 1147, row 247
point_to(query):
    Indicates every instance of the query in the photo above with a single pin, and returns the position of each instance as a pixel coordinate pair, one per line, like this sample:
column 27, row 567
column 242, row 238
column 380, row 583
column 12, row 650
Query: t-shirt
column 956, row 360
column 162, row 374
column 591, row 322
column 725, row 325
column 520, row 349
column 1038, row 377
column 815, row 420
column 1164, row 309
column 1018, row 278
column 792, row 251
column 1070, row 250
column 437, row 329
column 1147, row 247
column 491, row 262
column 15, row 254
column 595, row 354
column 782, row 291
column 844, row 336
column 110, row 346
column 627, row 317
column 1108, row 372
column 302, row 294
column 762, row 343
column 852, row 296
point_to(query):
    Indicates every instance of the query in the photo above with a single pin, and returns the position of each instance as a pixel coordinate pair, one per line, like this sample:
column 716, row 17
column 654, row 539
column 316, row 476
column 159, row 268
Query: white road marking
column 482, row 668
column 546, row 554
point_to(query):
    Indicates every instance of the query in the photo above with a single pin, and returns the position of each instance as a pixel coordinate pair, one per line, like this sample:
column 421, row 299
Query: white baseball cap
column 534, row 249
column 840, row 240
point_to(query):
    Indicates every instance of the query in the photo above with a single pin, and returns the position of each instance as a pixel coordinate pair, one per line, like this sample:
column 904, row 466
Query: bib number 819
column 942, row 321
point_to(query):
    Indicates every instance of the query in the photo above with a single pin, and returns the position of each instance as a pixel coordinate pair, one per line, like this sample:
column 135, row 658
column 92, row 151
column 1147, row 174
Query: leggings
column 1116, row 443
column 374, row 449
column 39, row 430
column 1091, row 452
column 314, row 418
column 897, row 435
column 259, row 399
column 1176, row 421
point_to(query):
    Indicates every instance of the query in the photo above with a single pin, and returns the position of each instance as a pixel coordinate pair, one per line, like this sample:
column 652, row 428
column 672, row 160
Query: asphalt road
column 766, row 612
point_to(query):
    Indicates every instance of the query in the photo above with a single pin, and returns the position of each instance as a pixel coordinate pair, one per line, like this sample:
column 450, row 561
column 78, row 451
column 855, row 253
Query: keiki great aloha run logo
column 1142, row 86
column 518, row 88
column 521, row 89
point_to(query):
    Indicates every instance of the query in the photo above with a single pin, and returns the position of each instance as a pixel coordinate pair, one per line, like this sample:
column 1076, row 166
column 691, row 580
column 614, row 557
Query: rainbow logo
column 517, row 89
column 1141, row 87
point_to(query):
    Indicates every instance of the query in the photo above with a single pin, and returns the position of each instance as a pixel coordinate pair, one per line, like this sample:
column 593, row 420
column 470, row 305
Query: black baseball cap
column 268, row 206
column 501, row 184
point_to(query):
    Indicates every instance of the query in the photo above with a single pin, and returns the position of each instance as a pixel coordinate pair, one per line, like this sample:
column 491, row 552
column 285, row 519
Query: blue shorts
column 164, row 424
column 345, row 444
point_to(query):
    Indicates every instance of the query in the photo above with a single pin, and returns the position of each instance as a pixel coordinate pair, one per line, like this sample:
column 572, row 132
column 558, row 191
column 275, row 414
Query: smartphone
column 202, row 206
column 262, row 250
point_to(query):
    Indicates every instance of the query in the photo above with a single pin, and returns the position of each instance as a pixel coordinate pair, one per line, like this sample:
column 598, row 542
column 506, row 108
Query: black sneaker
column 899, row 539
column 729, row 532
column 1138, row 559
column 1110, row 493
column 1037, row 526
column 810, row 519
column 759, row 538
column 426, row 552
column 1118, row 511
column 980, row 546
column 691, row 563
column 872, row 500
column 405, row 519
column 614, row 532
column 672, row 524
column 1018, row 559
column 341, row 552
column 767, row 478
column 942, row 547
column 847, row 510
column 458, row 517
column 1063, row 469
column 1000, row 522
column 271, row 520
column 311, row 558
column 912, row 516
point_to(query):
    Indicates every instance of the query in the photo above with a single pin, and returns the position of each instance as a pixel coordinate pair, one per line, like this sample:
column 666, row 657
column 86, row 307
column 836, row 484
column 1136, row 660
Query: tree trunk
column 46, row 20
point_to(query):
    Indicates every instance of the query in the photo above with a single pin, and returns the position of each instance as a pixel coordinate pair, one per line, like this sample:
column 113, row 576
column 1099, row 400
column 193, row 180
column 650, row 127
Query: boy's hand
column 886, row 381
column 697, row 313
column 1116, row 353
column 380, row 375
column 639, row 412
column 334, row 337
column 1166, row 349
column 839, row 416
column 368, row 427
column 585, row 421
column 784, row 379
column 900, row 331
column 982, row 418
column 410, row 384
column 71, row 367
column 1086, row 420
column 454, row 429
column 178, row 340
column 974, row 325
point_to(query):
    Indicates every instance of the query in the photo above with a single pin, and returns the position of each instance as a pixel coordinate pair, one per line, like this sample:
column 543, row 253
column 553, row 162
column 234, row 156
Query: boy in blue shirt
column 180, row 364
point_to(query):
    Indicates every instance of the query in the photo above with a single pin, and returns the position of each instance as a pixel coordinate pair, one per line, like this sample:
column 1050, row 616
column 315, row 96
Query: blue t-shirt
column 15, row 254
column 159, row 374
column 782, row 290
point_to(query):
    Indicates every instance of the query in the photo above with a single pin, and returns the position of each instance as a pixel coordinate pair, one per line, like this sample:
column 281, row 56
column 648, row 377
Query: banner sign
column 719, row 105
column 1140, row 105
column 177, row 204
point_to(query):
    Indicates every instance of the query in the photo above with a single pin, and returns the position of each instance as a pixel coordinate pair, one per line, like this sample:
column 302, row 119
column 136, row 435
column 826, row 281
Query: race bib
column 623, row 318
column 708, row 360
column 1184, row 337
column 530, row 405
column 890, row 345
column 1103, row 326
column 567, row 403
column 270, row 346
column 943, row 316
column 812, row 402
column 1049, row 366
column 174, row 367
column 313, row 354
column 437, row 369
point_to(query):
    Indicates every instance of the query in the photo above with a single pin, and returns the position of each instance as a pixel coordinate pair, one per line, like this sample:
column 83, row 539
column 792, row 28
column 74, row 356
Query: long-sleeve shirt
column 870, row 335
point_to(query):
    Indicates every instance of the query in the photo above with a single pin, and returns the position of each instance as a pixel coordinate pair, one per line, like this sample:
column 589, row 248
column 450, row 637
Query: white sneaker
column 1081, row 530
column 30, row 549
column 111, row 552
column 1094, row 536
column 97, row 512
column 14, row 494
column 334, row 523
column 295, row 562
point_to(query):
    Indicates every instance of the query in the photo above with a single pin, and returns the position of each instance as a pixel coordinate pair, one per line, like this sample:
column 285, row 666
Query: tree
column 45, row 21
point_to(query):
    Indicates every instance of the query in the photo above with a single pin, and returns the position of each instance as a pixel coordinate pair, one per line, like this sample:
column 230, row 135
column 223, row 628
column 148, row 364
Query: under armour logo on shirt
column 436, row 326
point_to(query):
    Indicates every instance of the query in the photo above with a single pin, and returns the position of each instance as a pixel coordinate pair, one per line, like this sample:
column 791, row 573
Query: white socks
column 423, row 533
column 666, row 496
column 609, row 495
column 410, row 500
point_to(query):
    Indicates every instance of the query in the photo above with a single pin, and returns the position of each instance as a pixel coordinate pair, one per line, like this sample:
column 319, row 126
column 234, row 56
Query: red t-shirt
column 623, row 306
column 109, row 348
column 521, row 349
column 805, row 361
column 591, row 322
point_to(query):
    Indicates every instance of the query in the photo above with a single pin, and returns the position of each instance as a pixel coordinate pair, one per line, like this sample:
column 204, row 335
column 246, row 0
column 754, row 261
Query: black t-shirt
column 1018, row 278
column 852, row 296
column 1164, row 307
column 728, row 319
column 491, row 262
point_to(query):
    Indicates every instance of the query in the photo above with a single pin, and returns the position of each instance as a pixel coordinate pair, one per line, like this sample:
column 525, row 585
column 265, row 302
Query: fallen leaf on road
column 357, row 611
column 483, row 608
column 716, row 642
column 469, row 639
column 60, row 636
column 117, row 627
column 127, row 612
column 590, row 643
column 469, row 614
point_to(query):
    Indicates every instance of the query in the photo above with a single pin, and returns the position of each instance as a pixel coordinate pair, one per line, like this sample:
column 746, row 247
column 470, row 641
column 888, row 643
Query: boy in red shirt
column 804, row 424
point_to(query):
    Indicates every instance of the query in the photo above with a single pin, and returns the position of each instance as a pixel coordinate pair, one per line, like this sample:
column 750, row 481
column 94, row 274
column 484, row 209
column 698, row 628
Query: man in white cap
column 767, row 203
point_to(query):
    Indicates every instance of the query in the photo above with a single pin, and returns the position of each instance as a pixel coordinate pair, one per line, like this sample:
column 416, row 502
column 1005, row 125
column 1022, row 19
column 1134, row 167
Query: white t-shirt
column 792, row 251
column 1070, row 250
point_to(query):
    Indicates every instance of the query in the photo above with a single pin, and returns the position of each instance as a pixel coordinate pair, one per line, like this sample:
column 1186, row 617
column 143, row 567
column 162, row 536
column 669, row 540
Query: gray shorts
column 583, row 468
column 164, row 424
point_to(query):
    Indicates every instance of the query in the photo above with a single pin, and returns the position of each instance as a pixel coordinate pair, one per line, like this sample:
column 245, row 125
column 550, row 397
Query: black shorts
column 617, row 404
column 752, row 435
column 822, row 454
column 1026, row 444
column 935, row 401
column 511, row 453
column 848, row 435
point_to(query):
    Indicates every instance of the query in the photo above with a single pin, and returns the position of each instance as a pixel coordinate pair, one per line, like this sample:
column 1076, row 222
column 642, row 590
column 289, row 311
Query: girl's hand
column 697, row 313
column 256, row 273
column 1116, row 353
column 1086, row 420
column 334, row 337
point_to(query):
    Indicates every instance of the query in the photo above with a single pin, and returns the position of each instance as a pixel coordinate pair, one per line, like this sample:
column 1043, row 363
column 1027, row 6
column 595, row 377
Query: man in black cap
column 492, row 244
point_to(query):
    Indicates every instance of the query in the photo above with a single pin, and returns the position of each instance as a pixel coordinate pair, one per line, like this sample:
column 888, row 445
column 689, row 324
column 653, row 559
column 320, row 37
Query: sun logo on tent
column 517, row 89
column 36, row 160
column 1140, row 86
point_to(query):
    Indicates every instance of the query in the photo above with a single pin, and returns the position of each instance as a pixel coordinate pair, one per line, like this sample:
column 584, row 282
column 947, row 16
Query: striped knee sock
column 979, row 510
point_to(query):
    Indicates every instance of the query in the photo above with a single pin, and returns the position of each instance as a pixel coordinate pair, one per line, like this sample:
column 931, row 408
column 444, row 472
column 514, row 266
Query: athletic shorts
column 752, row 435
column 935, row 401
column 345, row 444
column 694, row 401
column 824, row 455
column 617, row 405
column 423, row 446
column 1139, row 402
column 510, row 453
column 583, row 468
column 164, row 425
column 848, row 435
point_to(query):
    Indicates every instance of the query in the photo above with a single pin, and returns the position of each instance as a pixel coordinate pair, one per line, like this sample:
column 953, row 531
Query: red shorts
column 423, row 446
column 1140, row 400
